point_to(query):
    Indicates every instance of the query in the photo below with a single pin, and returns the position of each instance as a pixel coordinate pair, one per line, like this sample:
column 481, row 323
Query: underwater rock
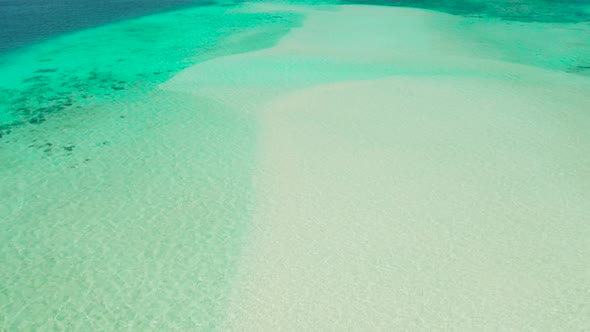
column 37, row 120
column 36, row 78
column 578, row 69
column 39, row 146
column 44, row 71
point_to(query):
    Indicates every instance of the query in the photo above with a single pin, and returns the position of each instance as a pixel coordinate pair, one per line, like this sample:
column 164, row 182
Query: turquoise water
column 110, row 62
column 42, row 79
column 25, row 21
column 519, row 10
column 129, row 151
column 122, row 206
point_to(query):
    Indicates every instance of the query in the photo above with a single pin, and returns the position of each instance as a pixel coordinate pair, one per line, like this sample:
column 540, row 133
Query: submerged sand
column 400, row 204
column 377, row 169
column 408, row 179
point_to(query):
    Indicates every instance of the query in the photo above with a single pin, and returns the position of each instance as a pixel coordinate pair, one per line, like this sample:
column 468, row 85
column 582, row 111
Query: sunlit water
column 139, row 162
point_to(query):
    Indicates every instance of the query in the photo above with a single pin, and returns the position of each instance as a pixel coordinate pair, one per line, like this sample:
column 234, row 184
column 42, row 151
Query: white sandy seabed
column 408, row 178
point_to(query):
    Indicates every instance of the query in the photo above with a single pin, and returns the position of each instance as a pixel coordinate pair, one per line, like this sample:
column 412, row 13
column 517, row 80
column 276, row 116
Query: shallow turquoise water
column 113, row 61
column 520, row 10
column 62, row 73
column 125, row 206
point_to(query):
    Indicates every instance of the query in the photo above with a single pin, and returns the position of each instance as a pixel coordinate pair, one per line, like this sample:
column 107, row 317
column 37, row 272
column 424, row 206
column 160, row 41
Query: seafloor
column 274, row 166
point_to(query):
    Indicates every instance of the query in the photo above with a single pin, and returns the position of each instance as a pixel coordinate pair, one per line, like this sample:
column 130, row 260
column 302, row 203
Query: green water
column 126, row 189
column 511, row 10
column 72, row 71
column 123, row 207
column 136, row 228
column 114, row 61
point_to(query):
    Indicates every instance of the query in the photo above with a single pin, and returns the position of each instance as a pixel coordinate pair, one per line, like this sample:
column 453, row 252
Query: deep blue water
column 25, row 21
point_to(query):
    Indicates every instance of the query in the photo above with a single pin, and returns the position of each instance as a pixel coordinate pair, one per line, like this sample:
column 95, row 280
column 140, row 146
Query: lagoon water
column 289, row 166
column 26, row 21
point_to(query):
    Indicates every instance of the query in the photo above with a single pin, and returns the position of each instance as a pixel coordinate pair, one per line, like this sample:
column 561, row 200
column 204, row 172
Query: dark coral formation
column 50, row 91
